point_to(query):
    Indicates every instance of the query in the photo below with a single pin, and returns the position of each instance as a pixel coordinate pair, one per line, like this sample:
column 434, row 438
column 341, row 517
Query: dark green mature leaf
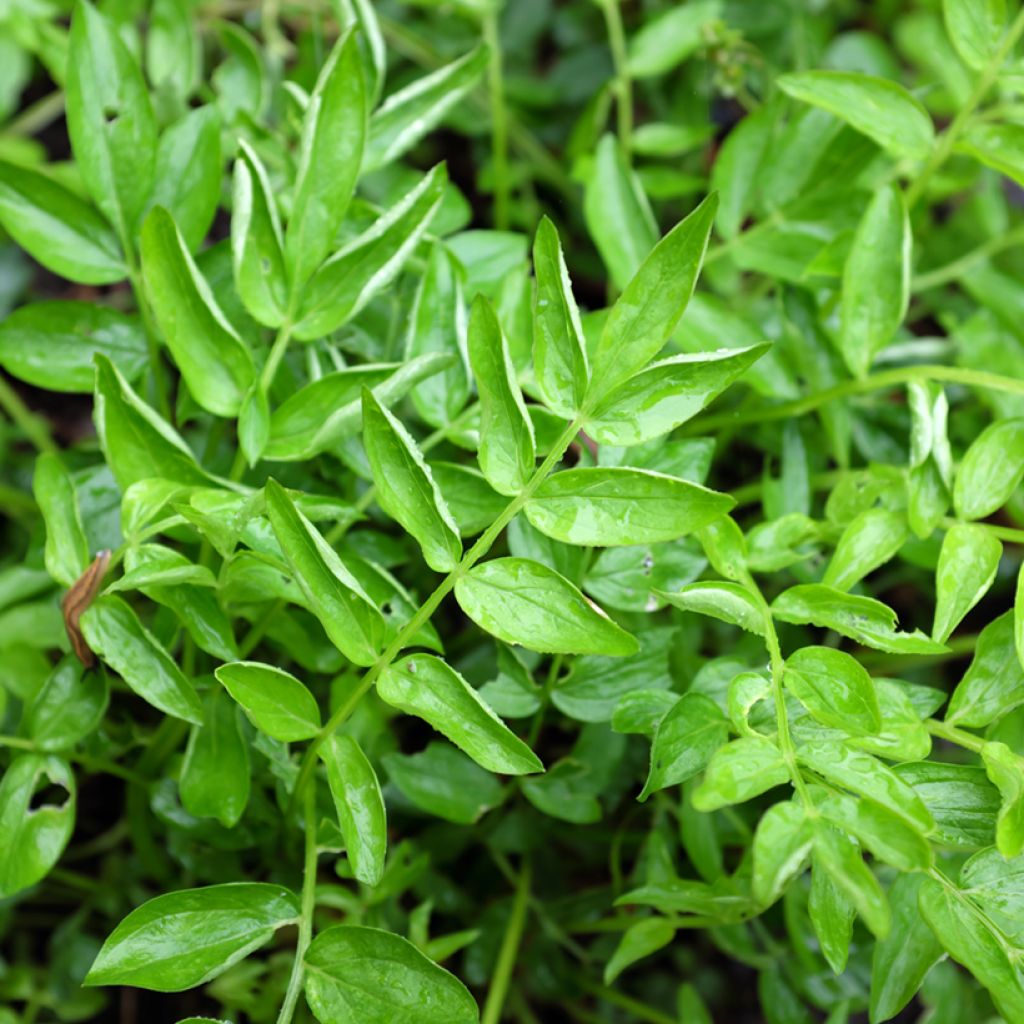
column 835, row 688
column 652, row 303
column 68, row 706
column 274, row 700
column 114, row 633
column 213, row 359
column 881, row 109
column 359, row 806
column 345, row 963
column 967, row 566
column 876, row 280
column 60, row 230
column 619, row 506
column 667, row 394
column 959, row 797
column 638, row 941
column 67, row 551
column 333, row 136
column 684, row 742
column 991, row 470
column 183, row 939
column 53, row 344
column 32, row 841
column 994, row 883
column 523, row 602
column 351, row 619
column 507, row 453
column 559, row 350
column 405, row 487
column 110, row 120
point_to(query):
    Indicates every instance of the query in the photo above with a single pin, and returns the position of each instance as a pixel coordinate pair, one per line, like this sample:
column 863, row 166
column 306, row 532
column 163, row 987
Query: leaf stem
column 308, row 906
column 958, row 267
column 509, row 950
column 1007, row 533
column 23, row 417
column 960, row 737
column 499, row 119
column 277, row 351
column 158, row 380
column 623, row 83
column 940, row 154
column 876, row 382
column 639, row 1011
column 423, row 613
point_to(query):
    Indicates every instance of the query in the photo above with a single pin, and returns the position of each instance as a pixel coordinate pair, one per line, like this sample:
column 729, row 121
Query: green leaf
column 902, row 959
column 507, row 453
column 183, row 939
column 442, row 781
column 841, row 858
column 437, row 324
column 173, row 53
column 349, row 617
column 257, row 244
column 423, row 685
column 884, row 834
column 114, row 633
column 652, row 303
column 969, row 940
column 61, row 231
column 137, row 443
column 273, row 700
column 1018, row 617
column 967, row 566
column 666, row 40
column 254, row 423
column 835, row 688
column 999, row 146
column 993, row 683
column 876, row 280
column 52, row 344
column 870, row 540
column 366, row 266
column 407, row 115
column 67, row 550
column 782, row 844
column 68, row 706
column 334, row 132
column 1006, row 770
column 726, row 548
column 831, row 915
column 959, row 797
column 995, row 884
column 345, row 963
column 684, row 742
column 975, row 28
column 523, row 602
column 359, row 806
column 214, row 781
column 638, row 941
column 615, row 506
column 739, row 771
column 32, row 838
column 405, row 487
column 842, row 765
column 110, row 121
column 861, row 618
column 991, row 470
column 729, row 602
column 667, row 394
column 735, row 170
column 188, row 172
column 876, row 107
column 559, row 349
column 617, row 213
column 213, row 359
column 155, row 565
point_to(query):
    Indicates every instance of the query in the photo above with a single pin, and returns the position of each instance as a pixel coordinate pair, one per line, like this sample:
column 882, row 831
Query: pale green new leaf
column 730, row 602
column 967, row 567
column 739, row 771
column 991, row 470
column 67, row 551
column 975, row 28
column 684, row 742
column 835, row 688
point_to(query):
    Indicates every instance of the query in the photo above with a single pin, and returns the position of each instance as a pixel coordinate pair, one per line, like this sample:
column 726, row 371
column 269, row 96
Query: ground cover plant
column 511, row 513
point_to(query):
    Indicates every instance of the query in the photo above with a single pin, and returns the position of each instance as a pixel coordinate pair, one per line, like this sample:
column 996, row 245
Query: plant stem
column 159, row 396
column 960, row 737
column 509, row 950
column 941, row 153
column 958, row 267
column 37, row 116
column 277, row 351
column 308, row 906
column 423, row 613
column 1007, row 533
column 499, row 119
column 876, row 382
column 623, row 84
column 31, row 426
column 639, row 1011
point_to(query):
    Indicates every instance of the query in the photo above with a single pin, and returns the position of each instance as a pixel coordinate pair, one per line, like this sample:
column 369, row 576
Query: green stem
column 623, row 83
column 960, row 737
column 876, row 382
column 424, row 612
column 1007, row 533
column 308, row 906
column 23, row 417
column 509, row 950
column 941, row 153
column 499, row 120
column 159, row 396
column 37, row 116
column 958, row 267
column 639, row 1011
column 277, row 351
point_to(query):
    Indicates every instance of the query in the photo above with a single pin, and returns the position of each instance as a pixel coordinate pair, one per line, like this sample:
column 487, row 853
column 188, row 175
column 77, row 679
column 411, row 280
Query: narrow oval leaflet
column 272, row 699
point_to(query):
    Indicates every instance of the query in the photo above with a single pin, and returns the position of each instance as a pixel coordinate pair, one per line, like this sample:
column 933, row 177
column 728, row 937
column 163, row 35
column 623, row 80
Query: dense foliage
column 389, row 632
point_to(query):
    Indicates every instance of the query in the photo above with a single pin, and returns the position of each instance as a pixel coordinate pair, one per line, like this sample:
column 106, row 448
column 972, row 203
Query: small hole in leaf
column 48, row 795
